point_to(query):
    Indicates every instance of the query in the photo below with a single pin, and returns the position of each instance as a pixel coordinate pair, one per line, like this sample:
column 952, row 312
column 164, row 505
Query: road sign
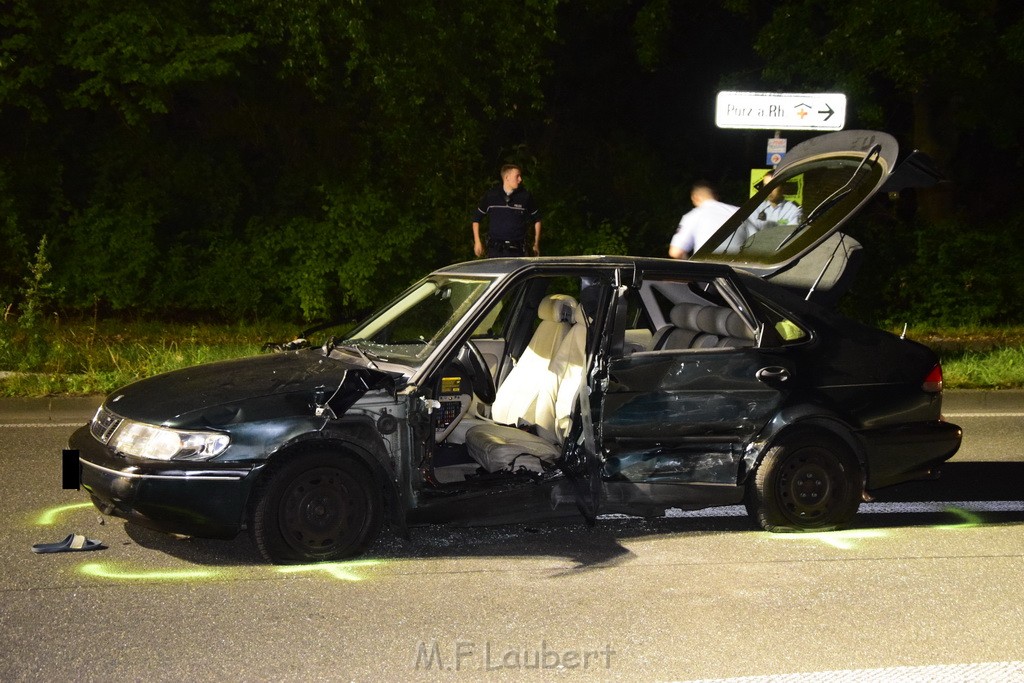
column 793, row 190
column 776, row 150
column 781, row 111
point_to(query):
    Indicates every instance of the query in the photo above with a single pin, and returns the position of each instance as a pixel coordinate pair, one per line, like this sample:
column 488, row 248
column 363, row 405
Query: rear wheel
column 316, row 507
column 806, row 482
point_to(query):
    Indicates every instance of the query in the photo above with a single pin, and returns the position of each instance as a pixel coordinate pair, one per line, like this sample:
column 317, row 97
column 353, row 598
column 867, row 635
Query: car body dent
column 687, row 404
column 245, row 390
column 277, row 418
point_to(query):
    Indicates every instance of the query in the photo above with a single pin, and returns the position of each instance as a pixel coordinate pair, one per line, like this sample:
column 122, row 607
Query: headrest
column 557, row 308
column 684, row 315
column 723, row 322
column 735, row 327
column 707, row 319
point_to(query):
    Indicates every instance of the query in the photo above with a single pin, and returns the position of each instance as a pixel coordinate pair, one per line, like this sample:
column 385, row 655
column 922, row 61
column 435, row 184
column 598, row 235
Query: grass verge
column 97, row 357
column 973, row 358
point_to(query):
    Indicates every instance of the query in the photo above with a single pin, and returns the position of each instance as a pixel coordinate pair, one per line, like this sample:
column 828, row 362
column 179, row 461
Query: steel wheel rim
column 811, row 485
column 321, row 509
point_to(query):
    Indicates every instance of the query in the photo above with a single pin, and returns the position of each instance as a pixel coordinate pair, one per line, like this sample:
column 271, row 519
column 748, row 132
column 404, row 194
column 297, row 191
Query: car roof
column 508, row 266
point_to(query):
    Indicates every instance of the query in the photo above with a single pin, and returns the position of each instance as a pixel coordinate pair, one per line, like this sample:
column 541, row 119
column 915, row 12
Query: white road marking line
column 876, row 508
column 960, row 415
column 924, row 507
column 38, row 425
column 935, row 673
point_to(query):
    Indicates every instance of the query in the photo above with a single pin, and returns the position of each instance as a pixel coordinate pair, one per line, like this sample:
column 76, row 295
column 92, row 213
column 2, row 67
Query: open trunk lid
column 806, row 251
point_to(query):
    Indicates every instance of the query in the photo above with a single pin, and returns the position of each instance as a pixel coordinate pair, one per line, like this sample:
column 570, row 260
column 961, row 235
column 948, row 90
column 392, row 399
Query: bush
column 23, row 344
column 941, row 275
column 966, row 276
column 355, row 255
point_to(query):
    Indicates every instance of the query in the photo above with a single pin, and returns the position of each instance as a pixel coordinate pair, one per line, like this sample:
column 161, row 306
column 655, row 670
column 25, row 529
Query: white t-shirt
column 700, row 223
column 783, row 213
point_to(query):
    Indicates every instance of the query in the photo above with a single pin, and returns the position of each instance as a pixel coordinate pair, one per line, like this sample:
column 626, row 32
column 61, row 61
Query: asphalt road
column 928, row 585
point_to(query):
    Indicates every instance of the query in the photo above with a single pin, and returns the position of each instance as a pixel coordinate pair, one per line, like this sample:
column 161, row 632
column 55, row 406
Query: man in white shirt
column 775, row 210
column 700, row 223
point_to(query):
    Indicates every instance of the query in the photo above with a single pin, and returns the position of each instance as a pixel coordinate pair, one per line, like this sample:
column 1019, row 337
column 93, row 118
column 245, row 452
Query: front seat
column 496, row 447
column 516, row 400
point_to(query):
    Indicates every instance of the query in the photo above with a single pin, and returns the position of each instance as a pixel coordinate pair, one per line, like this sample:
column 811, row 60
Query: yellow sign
column 451, row 385
column 794, row 188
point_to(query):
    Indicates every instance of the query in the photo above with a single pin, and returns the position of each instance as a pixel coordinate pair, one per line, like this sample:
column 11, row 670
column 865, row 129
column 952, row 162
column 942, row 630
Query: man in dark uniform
column 510, row 209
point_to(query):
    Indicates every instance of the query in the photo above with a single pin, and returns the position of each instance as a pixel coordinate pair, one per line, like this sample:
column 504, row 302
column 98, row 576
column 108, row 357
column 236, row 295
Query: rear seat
column 698, row 326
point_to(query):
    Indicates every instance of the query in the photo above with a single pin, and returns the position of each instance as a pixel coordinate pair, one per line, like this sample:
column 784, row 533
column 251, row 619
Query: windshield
column 409, row 328
column 794, row 211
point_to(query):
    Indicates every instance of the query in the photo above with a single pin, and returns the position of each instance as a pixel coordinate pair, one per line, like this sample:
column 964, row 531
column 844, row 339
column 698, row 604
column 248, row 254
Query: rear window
column 831, row 190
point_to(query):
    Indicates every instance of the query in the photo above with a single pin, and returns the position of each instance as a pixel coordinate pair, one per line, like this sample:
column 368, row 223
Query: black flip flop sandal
column 73, row 543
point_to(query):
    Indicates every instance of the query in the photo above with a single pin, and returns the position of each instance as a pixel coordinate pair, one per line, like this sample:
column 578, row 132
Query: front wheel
column 316, row 507
column 805, row 483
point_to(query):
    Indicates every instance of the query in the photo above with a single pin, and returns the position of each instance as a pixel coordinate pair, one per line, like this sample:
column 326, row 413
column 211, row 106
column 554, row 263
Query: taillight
column 933, row 382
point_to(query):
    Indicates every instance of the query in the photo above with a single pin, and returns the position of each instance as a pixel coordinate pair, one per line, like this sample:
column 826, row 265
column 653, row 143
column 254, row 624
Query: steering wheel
column 483, row 383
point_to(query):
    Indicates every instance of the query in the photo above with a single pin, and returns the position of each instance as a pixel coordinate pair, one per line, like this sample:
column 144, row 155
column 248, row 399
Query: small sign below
column 781, row 111
column 776, row 150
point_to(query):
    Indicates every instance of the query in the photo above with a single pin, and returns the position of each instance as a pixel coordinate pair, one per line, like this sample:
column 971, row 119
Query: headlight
column 161, row 443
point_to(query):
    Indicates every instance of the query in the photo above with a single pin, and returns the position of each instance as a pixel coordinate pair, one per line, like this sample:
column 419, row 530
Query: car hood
column 836, row 175
column 247, row 389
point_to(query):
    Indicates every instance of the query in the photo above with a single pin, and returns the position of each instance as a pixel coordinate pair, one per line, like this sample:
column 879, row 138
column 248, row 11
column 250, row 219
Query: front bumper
column 194, row 498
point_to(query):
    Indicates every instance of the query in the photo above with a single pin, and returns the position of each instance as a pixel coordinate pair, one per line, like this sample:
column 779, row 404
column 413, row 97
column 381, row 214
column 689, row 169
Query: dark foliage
column 307, row 159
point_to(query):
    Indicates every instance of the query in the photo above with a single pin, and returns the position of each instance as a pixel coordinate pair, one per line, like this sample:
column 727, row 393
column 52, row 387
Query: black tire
column 316, row 507
column 807, row 482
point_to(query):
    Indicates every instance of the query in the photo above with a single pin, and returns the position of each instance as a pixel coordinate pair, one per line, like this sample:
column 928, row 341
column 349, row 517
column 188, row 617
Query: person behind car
column 700, row 222
column 775, row 210
column 509, row 209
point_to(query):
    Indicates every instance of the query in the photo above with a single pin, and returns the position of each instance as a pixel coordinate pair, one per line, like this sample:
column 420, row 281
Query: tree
column 173, row 138
column 941, row 74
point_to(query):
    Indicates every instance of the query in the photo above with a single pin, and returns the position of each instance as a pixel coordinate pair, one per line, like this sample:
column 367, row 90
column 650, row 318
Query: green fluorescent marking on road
column 844, row 540
column 970, row 520
column 50, row 516
column 99, row 570
column 339, row 570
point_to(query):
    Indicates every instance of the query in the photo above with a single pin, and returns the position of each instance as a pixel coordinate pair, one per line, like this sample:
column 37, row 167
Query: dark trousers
column 503, row 248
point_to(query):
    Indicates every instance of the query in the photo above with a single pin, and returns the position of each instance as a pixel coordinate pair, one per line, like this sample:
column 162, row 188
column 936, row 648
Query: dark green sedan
column 517, row 389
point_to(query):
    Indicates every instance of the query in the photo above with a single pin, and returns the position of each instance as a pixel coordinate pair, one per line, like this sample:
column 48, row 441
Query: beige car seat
column 496, row 447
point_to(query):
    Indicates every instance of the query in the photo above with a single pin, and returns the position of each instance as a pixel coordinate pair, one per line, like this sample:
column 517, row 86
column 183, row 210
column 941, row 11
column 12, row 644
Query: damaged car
column 505, row 390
